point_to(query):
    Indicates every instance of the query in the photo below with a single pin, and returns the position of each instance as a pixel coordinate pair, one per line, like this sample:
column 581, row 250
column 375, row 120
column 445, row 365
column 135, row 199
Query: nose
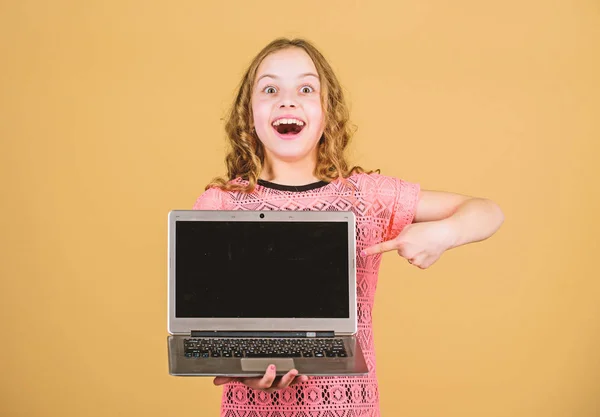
column 287, row 101
column 287, row 104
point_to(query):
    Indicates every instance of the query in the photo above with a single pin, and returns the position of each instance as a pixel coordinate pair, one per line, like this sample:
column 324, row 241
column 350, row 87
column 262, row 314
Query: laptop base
column 180, row 365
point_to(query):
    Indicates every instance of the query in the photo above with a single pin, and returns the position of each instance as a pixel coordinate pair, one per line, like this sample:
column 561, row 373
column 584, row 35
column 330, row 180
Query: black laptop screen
column 261, row 269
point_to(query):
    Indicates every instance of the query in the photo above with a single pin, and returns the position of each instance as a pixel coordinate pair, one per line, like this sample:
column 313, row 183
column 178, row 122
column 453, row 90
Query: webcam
column 262, row 216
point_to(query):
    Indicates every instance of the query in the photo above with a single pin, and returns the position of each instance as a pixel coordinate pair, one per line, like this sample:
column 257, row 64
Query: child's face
column 286, row 105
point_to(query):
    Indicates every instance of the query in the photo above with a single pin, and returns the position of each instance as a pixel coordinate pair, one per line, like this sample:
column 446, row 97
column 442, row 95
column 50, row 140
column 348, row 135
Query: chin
column 289, row 157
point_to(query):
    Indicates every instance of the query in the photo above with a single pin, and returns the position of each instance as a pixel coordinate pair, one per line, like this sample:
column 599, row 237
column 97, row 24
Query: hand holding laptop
column 268, row 382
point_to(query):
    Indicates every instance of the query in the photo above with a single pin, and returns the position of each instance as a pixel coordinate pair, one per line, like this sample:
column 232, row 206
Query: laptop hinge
column 263, row 334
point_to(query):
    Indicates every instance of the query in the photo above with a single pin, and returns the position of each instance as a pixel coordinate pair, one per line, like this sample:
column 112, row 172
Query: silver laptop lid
column 262, row 270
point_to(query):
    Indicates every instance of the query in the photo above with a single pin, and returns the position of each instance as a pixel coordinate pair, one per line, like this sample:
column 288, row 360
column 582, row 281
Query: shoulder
column 211, row 199
column 384, row 184
column 392, row 195
column 215, row 198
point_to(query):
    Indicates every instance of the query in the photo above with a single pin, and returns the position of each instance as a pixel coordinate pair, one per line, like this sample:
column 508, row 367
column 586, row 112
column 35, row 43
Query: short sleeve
column 405, row 206
column 211, row 199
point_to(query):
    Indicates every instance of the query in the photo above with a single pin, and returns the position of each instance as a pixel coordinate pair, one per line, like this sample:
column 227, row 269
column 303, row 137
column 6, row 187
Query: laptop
column 247, row 289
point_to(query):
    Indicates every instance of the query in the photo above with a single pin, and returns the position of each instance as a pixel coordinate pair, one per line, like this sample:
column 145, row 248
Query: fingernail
column 272, row 367
column 363, row 253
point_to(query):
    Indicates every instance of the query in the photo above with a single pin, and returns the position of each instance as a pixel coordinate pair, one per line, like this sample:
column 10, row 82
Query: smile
column 288, row 127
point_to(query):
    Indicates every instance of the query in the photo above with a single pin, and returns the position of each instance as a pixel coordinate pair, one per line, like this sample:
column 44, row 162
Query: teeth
column 288, row 122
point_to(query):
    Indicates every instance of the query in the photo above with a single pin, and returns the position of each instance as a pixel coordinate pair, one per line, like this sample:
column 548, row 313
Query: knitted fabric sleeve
column 405, row 206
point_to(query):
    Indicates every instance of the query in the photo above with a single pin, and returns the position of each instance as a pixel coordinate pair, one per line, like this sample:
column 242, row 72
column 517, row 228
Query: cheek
column 260, row 113
column 260, row 119
column 315, row 112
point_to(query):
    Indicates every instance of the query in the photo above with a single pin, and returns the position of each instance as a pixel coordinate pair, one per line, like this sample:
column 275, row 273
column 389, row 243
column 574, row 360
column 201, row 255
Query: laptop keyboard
column 264, row 348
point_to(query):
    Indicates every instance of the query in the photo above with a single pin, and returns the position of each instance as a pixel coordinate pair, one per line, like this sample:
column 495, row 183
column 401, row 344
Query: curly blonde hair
column 246, row 157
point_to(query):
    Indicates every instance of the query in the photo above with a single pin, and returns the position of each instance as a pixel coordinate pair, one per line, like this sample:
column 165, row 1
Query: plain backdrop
column 111, row 115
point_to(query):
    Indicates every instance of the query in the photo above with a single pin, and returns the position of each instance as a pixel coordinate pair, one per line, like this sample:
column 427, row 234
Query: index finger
column 379, row 248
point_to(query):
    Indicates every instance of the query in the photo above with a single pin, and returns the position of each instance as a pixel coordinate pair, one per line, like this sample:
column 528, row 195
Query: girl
column 288, row 129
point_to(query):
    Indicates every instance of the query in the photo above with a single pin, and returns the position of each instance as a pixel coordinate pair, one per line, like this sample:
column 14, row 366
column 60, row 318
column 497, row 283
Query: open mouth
column 288, row 127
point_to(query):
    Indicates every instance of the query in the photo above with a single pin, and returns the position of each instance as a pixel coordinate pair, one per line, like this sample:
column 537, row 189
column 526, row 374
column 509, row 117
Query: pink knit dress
column 383, row 207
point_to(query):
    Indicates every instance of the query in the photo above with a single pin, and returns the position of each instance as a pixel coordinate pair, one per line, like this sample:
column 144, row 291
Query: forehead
column 287, row 63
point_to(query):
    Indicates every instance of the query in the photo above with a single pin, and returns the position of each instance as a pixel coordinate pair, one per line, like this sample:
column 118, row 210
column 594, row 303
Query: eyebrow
column 306, row 74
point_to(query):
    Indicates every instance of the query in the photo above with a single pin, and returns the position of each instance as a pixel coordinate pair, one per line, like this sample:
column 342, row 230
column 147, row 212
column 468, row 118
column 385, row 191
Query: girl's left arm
column 442, row 221
column 468, row 219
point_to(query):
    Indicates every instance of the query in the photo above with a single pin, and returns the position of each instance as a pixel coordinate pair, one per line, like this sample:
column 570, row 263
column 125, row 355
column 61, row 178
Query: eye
column 270, row 90
column 307, row 89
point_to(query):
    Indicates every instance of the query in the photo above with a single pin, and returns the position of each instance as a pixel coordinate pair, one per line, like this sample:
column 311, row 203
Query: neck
column 289, row 173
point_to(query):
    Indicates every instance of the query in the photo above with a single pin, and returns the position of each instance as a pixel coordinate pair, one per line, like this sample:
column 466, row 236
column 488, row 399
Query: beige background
column 110, row 116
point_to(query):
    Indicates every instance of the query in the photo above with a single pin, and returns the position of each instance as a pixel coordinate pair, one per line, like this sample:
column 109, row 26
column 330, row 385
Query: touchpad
column 261, row 364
